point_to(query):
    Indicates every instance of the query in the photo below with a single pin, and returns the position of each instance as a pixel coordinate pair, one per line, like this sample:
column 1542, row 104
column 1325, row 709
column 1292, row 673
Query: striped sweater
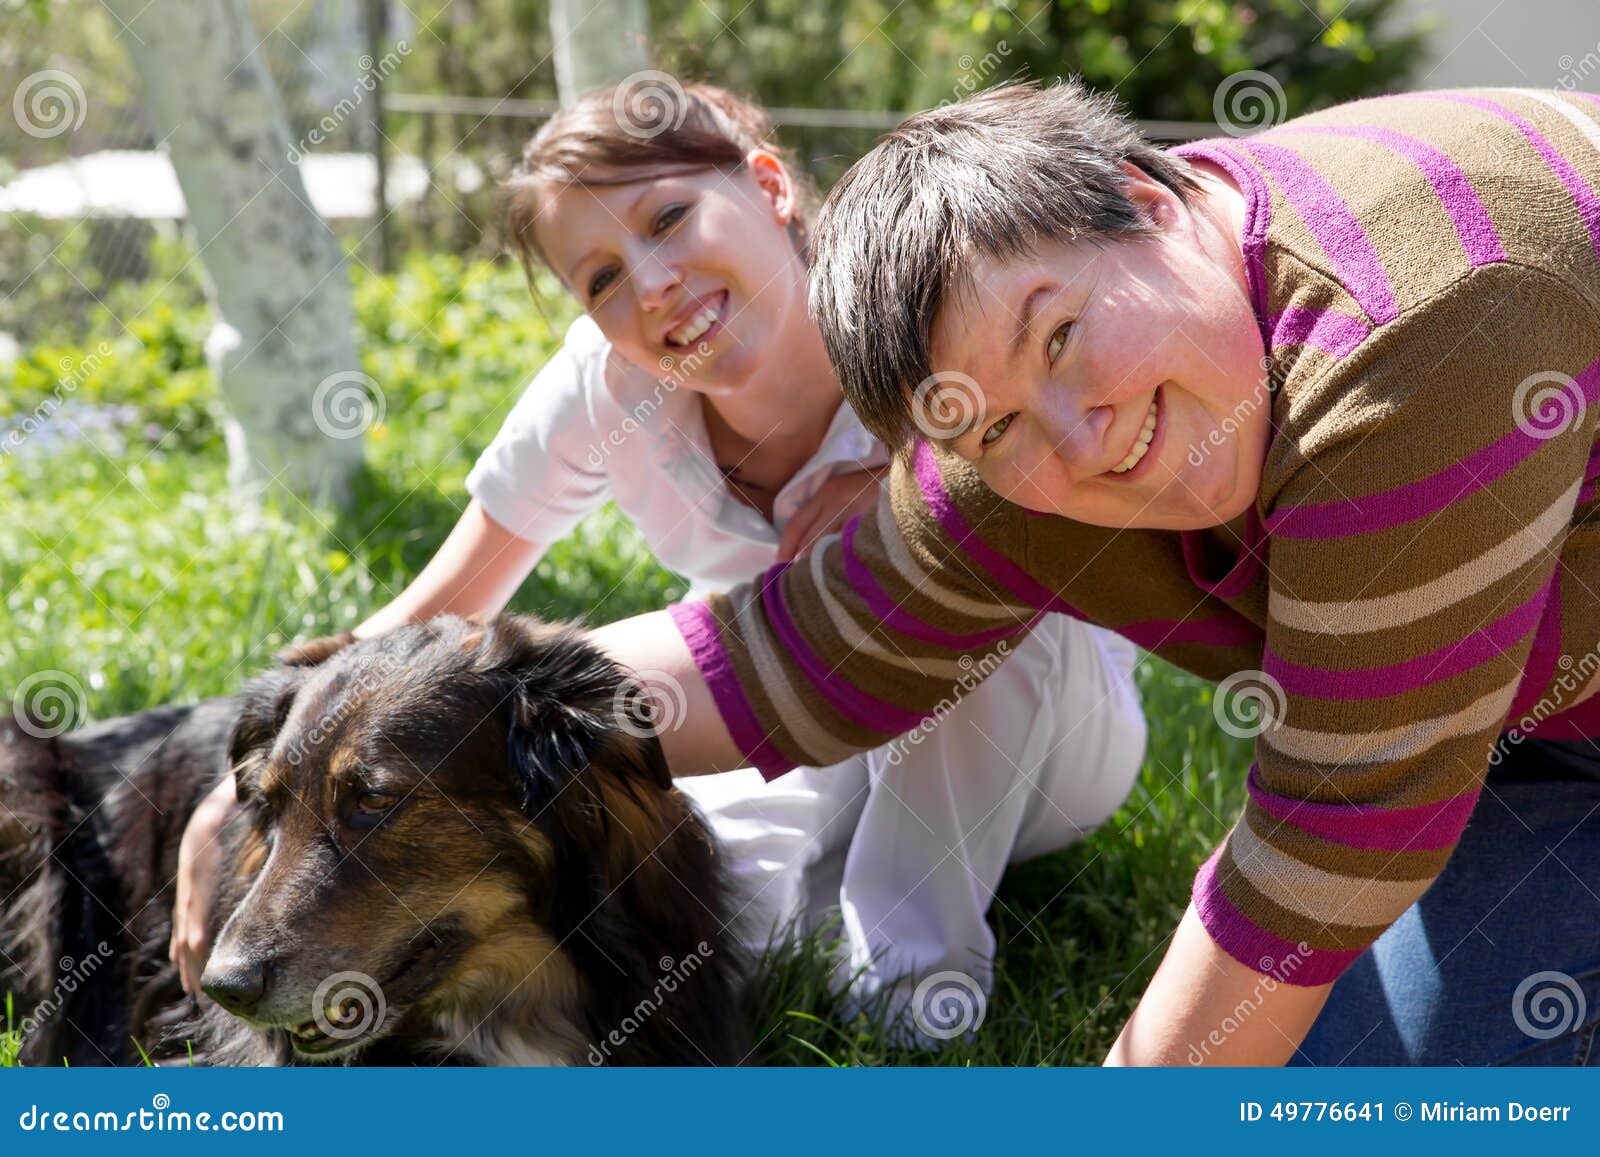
column 1414, row 588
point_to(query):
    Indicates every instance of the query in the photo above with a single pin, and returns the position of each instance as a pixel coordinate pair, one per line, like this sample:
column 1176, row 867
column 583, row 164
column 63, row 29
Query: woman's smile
column 1144, row 447
column 701, row 320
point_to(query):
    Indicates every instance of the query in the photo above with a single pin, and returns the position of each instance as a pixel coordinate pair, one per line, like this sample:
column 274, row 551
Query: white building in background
column 126, row 183
column 1527, row 43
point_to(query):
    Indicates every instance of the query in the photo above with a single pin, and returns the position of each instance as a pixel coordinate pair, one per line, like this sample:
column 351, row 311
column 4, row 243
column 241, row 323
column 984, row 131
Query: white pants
column 908, row 842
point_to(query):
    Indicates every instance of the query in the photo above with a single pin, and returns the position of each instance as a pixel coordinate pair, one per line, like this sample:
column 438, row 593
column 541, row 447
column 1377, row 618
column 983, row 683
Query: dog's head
column 457, row 836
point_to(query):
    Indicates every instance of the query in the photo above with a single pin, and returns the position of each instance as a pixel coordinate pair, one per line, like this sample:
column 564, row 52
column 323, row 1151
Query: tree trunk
column 598, row 42
column 283, row 345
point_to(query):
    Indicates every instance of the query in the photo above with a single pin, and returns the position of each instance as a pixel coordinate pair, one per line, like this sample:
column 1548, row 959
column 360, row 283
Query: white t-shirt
column 591, row 427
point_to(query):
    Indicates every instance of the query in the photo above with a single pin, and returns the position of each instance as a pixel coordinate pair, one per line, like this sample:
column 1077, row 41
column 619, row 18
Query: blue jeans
column 1499, row 962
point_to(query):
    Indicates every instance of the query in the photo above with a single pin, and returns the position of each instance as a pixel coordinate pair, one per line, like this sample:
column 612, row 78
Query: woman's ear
column 773, row 179
column 1159, row 205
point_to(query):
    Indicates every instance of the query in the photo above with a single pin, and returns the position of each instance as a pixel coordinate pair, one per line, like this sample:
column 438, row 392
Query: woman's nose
column 653, row 282
column 1078, row 438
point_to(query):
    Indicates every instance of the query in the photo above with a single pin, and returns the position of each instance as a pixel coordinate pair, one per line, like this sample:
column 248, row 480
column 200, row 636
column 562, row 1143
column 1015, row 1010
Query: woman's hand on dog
column 199, row 856
column 838, row 501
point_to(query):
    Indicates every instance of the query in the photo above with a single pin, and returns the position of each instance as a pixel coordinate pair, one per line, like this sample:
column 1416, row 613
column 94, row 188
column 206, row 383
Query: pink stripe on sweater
column 1016, row 581
column 1330, row 331
column 698, row 626
column 1541, row 665
column 1419, row 499
column 1455, row 192
column 1580, row 721
column 897, row 617
column 1229, row 629
column 854, row 704
column 1409, row 674
column 1255, row 947
column 1424, row 828
column 1257, row 219
column 1583, row 195
column 1333, row 225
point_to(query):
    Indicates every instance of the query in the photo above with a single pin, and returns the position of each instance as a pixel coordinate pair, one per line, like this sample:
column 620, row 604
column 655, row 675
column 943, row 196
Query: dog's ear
column 264, row 705
column 571, row 711
column 311, row 652
column 633, row 867
column 266, row 699
column 551, row 744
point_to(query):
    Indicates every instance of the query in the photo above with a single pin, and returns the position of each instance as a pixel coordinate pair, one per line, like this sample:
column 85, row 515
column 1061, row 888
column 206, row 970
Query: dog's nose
column 236, row 984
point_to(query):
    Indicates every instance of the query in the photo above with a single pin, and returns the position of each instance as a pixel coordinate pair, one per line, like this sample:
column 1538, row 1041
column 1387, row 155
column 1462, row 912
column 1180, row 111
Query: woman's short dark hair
column 996, row 174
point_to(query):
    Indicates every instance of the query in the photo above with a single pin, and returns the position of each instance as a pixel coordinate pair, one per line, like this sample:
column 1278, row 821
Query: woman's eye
column 1058, row 340
column 670, row 216
column 992, row 434
column 600, row 281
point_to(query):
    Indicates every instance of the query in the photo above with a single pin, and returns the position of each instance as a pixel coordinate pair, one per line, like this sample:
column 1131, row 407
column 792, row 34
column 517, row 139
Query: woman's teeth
column 692, row 330
column 1142, row 445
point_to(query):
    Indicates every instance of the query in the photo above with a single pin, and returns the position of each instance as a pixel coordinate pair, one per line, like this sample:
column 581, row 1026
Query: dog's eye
column 375, row 802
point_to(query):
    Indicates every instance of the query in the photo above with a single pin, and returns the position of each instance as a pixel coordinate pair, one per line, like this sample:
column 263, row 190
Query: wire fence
column 87, row 194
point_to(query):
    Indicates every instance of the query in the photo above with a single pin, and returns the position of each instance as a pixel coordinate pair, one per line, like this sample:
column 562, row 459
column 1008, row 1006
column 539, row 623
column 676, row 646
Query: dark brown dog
column 457, row 845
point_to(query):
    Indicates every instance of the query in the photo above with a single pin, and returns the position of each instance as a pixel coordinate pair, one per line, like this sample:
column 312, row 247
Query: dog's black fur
column 560, row 885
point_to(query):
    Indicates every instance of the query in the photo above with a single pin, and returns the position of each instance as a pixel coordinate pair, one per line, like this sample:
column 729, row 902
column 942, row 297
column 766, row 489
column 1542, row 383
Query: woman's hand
column 839, row 500
column 475, row 571
column 1205, row 1008
column 199, row 869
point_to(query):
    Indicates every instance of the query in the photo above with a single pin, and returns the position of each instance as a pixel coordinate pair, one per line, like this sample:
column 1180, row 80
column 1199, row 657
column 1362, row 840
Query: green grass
column 131, row 570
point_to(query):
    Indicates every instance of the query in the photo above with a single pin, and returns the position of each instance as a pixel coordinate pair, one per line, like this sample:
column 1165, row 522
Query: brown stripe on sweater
column 1288, row 924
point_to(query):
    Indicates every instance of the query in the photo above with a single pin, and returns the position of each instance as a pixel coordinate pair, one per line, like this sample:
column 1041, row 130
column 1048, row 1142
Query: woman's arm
column 1205, row 1008
column 869, row 635
column 693, row 734
column 476, row 571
